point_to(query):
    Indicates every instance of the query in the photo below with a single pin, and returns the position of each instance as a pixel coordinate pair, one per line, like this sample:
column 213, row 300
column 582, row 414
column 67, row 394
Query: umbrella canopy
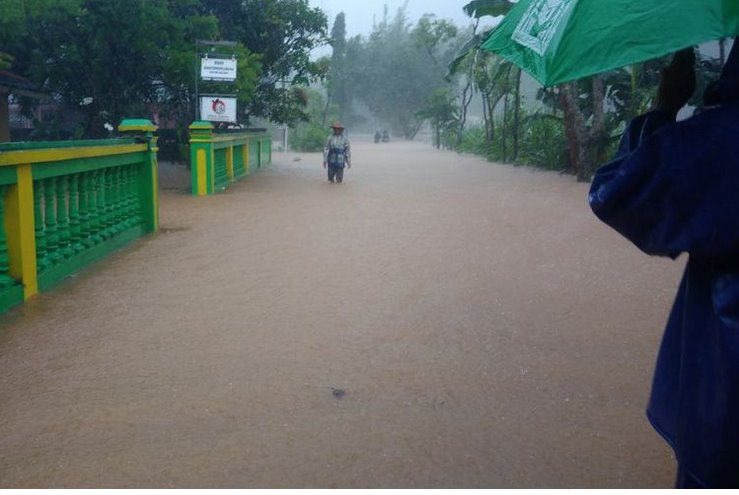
column 561, row 40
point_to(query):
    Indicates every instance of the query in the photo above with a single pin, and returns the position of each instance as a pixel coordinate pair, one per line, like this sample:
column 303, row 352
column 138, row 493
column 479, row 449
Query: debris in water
column 338, row 393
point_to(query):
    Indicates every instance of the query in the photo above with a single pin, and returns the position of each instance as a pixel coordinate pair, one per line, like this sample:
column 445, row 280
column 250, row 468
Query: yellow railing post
column 230, row 162
column 19, row 221
column 202, row 158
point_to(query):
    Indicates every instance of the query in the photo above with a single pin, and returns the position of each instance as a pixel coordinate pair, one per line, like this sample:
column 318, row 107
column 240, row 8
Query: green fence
column 66, row 204
column 221, row 159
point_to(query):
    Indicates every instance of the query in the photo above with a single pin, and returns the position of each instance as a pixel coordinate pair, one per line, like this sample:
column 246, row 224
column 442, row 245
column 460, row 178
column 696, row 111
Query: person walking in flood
column 337, row 153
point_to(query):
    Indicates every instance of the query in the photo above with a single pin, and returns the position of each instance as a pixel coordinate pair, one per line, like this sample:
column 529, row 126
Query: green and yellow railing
column 218, row 160
column 65, row 204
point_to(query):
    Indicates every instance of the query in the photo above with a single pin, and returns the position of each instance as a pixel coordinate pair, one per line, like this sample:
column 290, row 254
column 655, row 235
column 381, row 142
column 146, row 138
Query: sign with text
column 217, row 69
column 218, row 109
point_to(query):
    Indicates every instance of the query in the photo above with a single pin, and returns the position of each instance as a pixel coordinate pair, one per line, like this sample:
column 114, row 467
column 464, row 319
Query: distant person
column 385, row 136
column 378, row 136
column 673, row 188
column 337, row 153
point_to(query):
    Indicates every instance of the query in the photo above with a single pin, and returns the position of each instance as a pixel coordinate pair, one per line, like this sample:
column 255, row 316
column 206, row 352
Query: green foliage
column 6, row 60
column 310, row 136
column 282, row 32
column 440, row 110
column 543, row 143
column 474, row 140
column 106, row 59
column 399, row 67
column 431, row 33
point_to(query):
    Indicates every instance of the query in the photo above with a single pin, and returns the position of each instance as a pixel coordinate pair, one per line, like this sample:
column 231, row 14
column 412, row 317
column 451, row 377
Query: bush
column 473, row 141
column 543, row 143
column 309, row 138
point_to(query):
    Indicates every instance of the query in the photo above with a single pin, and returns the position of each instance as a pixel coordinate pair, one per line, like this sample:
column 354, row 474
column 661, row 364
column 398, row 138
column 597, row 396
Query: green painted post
column 5, row 279
column 96, row 208
column 93, row 220
column 62, row 218
column 109, row 203
column 112, row 201
column 126, row 213
column 260, row 146
column 42, row 259
column 75, row 232
column 102, row 201
column 52, row 234
column 202, row 158
column 133, row 198
column 148, row 177
column 137, row 211
column 122, row 198
column 84, row 210
column 119, row 201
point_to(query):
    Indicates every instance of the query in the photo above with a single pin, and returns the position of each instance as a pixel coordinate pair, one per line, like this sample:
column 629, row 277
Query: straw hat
column 337, row 125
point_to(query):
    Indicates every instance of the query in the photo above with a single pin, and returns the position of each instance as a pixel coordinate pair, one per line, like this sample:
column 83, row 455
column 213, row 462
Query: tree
column 470, row 60
column 399, row 67
column 109, row 59
column 441, row 111
column 106, row 59
column 338, row 92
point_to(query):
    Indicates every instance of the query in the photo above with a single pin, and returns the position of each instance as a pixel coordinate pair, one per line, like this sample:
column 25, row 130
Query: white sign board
column 217, row 69
column 218, row 109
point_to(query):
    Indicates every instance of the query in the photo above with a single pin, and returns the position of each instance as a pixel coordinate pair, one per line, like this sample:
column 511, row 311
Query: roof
column 18, row 85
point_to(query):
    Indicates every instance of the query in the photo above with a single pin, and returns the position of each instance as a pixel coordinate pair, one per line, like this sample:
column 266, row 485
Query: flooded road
column 435, row 321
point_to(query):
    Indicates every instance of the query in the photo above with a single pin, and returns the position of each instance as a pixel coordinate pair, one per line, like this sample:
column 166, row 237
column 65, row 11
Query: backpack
column 336, row 156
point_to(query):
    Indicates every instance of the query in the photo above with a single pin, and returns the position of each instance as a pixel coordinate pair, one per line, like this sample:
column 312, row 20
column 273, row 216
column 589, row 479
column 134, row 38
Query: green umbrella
column 561, row 40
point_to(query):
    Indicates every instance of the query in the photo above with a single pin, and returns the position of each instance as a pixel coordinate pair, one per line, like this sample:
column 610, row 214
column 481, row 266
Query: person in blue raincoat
column 673, row 188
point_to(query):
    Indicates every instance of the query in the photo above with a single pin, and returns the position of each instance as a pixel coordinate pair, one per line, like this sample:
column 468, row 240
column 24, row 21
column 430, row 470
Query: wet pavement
column 435, row 321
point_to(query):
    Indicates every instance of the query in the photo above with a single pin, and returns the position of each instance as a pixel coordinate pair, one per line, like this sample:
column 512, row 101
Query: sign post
column 218, row 68
column 216, row 108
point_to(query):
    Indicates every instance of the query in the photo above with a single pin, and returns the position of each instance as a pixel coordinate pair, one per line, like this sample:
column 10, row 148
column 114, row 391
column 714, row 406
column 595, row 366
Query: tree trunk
column 575, row 130
column 504, row 130
column 490, row 117
column 4, row 118
column 598, row 138
column 464, row 105
column 516, row 116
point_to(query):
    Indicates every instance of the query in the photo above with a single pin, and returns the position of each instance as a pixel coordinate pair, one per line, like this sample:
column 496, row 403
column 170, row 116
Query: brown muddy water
column 435, row 321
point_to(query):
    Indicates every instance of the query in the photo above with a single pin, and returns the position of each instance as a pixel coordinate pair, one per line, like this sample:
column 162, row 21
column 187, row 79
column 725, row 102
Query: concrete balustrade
column 218, row 160
column 65, row 204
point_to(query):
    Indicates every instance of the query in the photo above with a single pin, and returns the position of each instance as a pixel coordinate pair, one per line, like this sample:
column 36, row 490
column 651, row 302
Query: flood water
column 435, row 321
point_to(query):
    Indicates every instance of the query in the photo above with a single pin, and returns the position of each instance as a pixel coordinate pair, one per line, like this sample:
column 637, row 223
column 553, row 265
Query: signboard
column 218, row 69
column 218, row 109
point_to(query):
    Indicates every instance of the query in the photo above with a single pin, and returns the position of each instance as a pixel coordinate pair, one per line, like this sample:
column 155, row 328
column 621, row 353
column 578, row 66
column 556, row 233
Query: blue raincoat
column 674, row 188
